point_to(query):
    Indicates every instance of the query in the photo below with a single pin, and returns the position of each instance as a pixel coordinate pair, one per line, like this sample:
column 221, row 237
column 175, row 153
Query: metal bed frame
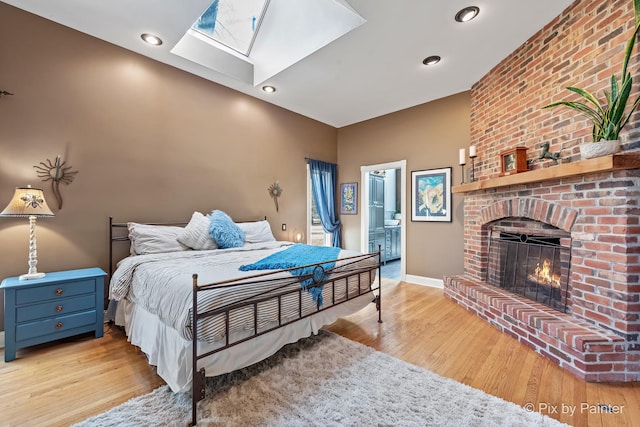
column 318, row 277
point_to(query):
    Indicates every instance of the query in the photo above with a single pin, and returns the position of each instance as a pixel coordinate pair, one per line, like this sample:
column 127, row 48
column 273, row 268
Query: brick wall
column 582, row 47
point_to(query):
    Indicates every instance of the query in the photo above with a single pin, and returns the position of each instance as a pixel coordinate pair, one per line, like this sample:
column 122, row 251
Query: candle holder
column 462, row 166
column 472, row 172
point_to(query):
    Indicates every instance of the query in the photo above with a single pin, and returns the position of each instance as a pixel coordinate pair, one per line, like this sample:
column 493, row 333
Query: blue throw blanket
column 296, row 256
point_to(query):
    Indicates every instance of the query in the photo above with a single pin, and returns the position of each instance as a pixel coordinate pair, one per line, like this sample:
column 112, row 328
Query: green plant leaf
column 629, row 48
column 610, row 132
column 588, row 96
column 633, row 107
column 592, row 114
column 620, row 104
column 609, row 98
column 614, row 89
column 596, row 133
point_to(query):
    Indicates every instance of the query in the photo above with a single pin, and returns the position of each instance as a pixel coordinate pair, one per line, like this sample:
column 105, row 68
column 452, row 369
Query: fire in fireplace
column 545, row 275
column 535, row 266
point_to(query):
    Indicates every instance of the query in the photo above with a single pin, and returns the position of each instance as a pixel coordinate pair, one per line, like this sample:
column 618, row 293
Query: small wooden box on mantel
column 513, row 160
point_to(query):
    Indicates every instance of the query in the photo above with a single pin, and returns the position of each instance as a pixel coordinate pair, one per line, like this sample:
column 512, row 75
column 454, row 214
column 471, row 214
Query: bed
column 245, row 307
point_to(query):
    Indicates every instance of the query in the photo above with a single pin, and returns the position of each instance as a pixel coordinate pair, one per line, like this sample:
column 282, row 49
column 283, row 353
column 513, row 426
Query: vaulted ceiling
column 373, row 69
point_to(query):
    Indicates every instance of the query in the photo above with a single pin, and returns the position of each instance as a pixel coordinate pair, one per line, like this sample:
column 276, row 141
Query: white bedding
column 171, row 354
column 155, row 294
column 162, row 285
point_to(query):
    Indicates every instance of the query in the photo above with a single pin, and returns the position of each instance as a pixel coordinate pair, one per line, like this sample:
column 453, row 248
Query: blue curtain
column 323, row 187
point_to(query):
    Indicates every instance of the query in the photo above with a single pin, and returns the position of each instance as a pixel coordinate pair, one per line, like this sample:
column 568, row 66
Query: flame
column 543, row 274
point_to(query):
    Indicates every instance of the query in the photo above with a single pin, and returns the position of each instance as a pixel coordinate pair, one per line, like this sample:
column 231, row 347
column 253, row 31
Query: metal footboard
column 350, row 274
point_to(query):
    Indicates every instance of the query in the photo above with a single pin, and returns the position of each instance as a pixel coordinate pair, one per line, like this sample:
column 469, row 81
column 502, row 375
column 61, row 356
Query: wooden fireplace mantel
column 581, row 167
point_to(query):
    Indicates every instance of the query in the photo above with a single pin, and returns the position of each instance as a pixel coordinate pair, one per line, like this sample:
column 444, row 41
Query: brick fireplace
column 597, row 337
column 595, row 202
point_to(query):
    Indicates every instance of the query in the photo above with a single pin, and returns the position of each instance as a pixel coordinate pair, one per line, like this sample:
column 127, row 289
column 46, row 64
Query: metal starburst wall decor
column 275, row 191
column 56, row 172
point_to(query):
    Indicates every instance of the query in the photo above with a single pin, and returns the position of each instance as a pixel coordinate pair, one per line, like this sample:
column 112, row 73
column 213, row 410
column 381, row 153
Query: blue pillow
column 224, row 231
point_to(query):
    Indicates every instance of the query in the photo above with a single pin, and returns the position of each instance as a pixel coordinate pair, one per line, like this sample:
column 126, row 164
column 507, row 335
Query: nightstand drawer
column 58, row 290
column 54, row 325
column 59, row 305
column 55, row 308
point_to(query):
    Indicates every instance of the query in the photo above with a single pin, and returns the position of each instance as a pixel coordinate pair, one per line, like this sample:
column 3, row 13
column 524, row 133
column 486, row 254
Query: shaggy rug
column 325, row 380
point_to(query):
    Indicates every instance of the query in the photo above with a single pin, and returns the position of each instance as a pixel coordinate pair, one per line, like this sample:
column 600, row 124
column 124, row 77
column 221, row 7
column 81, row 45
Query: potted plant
column 609, row 118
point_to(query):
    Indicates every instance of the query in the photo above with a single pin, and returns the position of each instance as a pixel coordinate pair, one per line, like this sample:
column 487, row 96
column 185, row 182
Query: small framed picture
column 431, row 195
column 349, row 198
column 513, row 161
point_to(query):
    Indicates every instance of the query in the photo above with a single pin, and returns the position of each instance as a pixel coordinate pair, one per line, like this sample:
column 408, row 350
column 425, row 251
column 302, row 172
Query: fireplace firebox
column 535, row 266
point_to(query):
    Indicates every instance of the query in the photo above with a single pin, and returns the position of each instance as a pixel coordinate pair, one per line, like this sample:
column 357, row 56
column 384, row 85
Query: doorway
column 383, row 225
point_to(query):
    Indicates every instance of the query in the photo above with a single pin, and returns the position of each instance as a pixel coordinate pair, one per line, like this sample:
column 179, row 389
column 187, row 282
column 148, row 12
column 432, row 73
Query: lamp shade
column 297, row 236
column 27, row 201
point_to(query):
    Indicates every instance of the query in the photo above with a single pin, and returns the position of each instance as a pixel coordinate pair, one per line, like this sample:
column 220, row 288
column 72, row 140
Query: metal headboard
column 125, row 237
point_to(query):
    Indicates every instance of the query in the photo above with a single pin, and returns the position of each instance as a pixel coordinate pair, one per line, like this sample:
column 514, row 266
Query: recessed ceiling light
column 151, row 39
column 268, row 89
column 467, row 14
column 431, row 60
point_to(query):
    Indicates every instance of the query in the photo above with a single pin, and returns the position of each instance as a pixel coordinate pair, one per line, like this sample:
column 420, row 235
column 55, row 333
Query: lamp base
column 30, row 276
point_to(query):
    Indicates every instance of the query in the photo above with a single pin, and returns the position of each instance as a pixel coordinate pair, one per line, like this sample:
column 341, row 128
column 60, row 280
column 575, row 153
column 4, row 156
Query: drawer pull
column 59, row 308
column 59, row 291
column 58, row 325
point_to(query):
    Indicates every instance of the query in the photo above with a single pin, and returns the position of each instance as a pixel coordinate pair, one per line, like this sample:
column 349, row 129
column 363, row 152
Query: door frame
column 364, row 203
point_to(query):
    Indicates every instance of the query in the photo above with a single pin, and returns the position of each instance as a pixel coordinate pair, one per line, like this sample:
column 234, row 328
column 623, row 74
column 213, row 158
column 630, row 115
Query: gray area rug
column 325, row 380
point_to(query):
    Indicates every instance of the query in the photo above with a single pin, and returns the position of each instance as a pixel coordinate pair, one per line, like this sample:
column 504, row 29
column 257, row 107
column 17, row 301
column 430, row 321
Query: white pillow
column 257, row 232
column 154, row 239
column 196, row 233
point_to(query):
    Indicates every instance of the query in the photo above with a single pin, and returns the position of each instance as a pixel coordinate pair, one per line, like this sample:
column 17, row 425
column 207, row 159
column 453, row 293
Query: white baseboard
column 425, row 281
column 1, row 339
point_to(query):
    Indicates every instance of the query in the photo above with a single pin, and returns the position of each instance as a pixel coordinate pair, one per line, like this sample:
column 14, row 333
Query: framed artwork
column 431, row 195
column 349, row 198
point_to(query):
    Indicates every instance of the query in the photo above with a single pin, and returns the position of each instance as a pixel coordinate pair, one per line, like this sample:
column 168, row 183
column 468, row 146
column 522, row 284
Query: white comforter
column 162, row 284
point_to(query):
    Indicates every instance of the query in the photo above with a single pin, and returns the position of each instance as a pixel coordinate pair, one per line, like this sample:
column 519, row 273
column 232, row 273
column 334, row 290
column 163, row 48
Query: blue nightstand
column 59, row 305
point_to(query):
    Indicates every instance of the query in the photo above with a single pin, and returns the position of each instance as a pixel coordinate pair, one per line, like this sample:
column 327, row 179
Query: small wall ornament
column 56, row 172
column 275, row 191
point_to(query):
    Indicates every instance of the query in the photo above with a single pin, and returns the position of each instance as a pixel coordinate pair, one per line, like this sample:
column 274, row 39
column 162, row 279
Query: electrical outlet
column 284, row 227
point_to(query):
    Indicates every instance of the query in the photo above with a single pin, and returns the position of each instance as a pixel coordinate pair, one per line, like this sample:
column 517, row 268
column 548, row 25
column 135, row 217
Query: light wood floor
column 66, row 382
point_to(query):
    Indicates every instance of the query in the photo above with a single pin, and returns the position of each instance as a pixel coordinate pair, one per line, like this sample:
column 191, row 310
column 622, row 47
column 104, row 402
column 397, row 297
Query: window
column 232, row 23
column 315, row 231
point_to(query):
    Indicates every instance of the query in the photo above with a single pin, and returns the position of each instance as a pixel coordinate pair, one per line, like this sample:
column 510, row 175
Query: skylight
column 232, row 23
column 253, row 40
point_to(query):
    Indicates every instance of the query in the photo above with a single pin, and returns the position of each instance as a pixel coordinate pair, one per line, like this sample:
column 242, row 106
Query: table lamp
column 298, row 236
column 29, row 202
